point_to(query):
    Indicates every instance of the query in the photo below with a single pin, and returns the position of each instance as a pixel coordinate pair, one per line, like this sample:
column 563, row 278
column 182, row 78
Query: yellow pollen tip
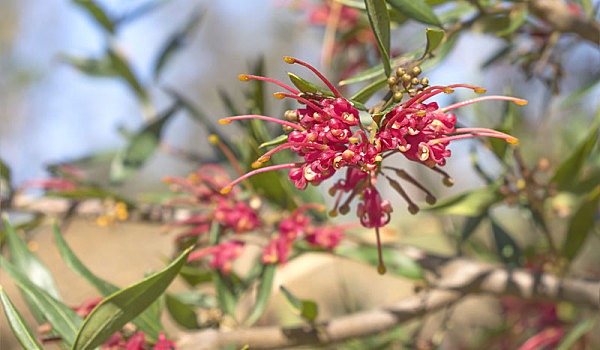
column 193, row 177
column 279, row 95
column 214, row 139
column 243, row 77
column 226, row 190
column 448, row 91
column 167, row 180
column 381, row 269
column 257, row 164
column 513, row 141
column 480, row 90
column 520, row 102
column 224, row 121
column 289, row 59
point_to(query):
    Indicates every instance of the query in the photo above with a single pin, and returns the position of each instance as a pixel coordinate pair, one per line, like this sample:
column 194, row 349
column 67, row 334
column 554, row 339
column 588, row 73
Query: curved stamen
column 515, row 100
column 312, row 105
column 426, row 94
column 254, row 116
column 265, row 157
column 248, row 77
column 228, row 188
column 485, row 130
column 508, row 138
column 401, row 113
column 430, row 89
column 381, row 268
column 292, row 60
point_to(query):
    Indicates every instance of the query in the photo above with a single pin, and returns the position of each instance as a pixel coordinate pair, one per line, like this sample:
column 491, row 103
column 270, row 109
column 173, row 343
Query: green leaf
column 5, row 171
column 417, row 10
column 307, row 86
column 568, row 170
column 122, row 68
column 395, row 261
column 264, row 292
column 181, row 312
column 225, row 294
column 98, row 13
column 16, row 322
column 307, row 309
column 146, row 322
column 516, row 19
column 140, row 147
column 380, row 24
column 274, row 142
column 434, row 39
column 97, row 67
column 576, row 96
column 176, row 42
column 364, row 94
column 507, row 248
column 581, row 224
column 472, row 203
column 470, row 225
column 194, row 275
column 118, row 309
column 28, row 263
column 63, row 319
column 580, row 329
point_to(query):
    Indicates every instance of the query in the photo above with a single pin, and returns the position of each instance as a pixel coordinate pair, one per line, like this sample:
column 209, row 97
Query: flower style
column 223, row 255
column 327, row 133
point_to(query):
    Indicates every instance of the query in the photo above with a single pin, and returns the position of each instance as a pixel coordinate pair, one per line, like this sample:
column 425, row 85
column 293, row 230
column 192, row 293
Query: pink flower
column 277, row 251
column 136, row 342
column 222, row 255
column 87, row 306
column 235, row 215
column 326, row 237
column 163, row 343
column 373, row 211
column 56, row 183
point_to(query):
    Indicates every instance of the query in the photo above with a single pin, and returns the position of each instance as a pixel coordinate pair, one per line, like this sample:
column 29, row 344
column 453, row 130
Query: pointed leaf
column 122, row 68
column 274, row 142
column 472, row 203
column 176, row 42
column 225, row 295
column 307, row 86
column 28, row 263
column 417, row 10
column 63, row 319
column 434, row 39
column 580, row 329
column 470, row 225
column 264, row 292
column 98, row 13
column 181, row 313
column 307, row 309
column 569, row 169
column 581, row 224
column 507, row 248
column 380, row 24
column 17, row 324
column 97, row 67
column 118, row 309
column 4, row 171
column 364, row 94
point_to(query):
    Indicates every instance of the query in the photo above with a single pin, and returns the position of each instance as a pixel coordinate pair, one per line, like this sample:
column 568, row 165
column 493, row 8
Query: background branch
column 557, row 14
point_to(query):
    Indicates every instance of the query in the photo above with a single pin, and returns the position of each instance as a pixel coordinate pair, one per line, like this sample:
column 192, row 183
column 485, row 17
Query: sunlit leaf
column 581, row 224
column 274, row 142
column 63, row 319
column 28, row 263
column 507, row 248
column 307, row 86
column 380, row 24
column 181, row 312
column 434, row 39
column 307, row 309
column 568, row 170
column 176, row 42
column 264, row 293
column 417, row 10
column 17, row 324
column 118, row 309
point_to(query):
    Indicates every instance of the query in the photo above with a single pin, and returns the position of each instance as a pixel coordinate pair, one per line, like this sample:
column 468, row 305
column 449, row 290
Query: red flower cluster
column 328, row 135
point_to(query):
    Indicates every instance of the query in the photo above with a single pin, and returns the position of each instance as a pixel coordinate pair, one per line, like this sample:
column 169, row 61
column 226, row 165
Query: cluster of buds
column 328, row 135
column 407, row 82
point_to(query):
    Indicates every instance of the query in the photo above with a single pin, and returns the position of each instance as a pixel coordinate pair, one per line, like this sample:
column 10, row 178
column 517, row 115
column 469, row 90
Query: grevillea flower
column 222, row 255
column 326, row 133
column 163, row 343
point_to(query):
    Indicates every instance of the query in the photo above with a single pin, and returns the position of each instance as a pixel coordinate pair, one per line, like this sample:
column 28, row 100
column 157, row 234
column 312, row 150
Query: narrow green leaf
column 28, row 263
column 578, row 331
column 118, row 309
column 139, row 12
column 176, row 42
column 140, row 147
column 146, row 322
column 122, row 68
column 581, row 224
column 507, row 248
column 307, row 86
column 16, row 322
column 225, row 295
column 274, row 142
column 575, row 97
column 264, row 292
column 568, row 170
column 364, row 94
column 472, row 203
column 417, row 10
column 63, row 319
column 395, row 261
column 470, row 225
column 97, row 67
column 194, row 276
column 380, row 24
column 516, row 19
column 434, row 39
column 5, row 171
column 181, row 312
column 98, row 13
column 307, row 309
